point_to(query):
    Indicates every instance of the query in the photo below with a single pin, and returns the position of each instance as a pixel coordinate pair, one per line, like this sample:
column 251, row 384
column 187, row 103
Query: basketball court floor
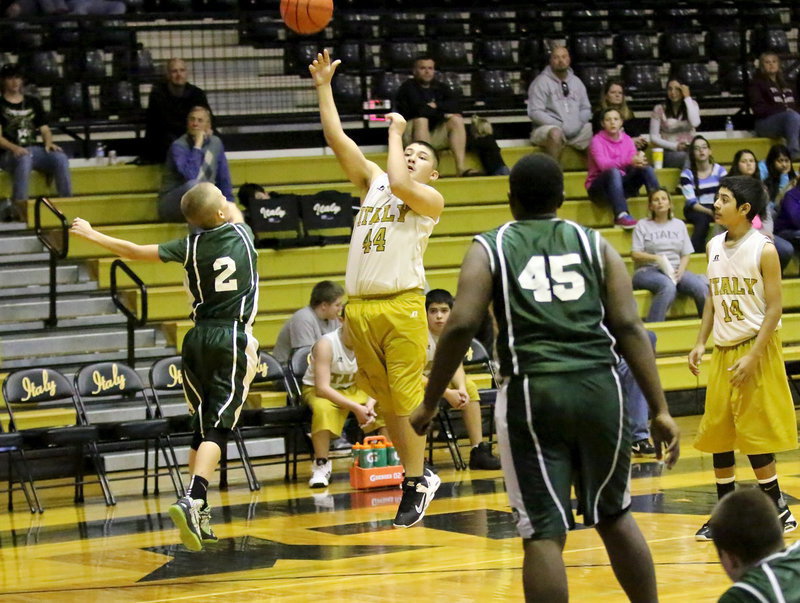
column 290, row 543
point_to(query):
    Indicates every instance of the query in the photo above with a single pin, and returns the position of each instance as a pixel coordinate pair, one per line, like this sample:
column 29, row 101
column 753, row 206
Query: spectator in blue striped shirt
column 699, row 184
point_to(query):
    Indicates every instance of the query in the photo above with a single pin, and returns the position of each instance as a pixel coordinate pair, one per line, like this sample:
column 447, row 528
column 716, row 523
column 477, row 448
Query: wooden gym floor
column 292, row 543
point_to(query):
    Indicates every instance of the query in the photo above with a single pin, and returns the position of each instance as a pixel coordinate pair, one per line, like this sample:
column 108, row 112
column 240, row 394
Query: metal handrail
column 55, row 253
column 133, row 320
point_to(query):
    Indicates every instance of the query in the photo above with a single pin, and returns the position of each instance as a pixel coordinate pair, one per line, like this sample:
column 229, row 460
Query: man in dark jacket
column 169, row 105
column 431, row 110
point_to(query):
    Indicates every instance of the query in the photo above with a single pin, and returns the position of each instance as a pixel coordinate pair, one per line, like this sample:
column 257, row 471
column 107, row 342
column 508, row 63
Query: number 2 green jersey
column 221, row 271
column 547, row 292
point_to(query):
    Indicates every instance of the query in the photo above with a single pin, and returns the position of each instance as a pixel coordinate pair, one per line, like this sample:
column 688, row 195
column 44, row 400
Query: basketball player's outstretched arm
column 121, row 247
column 623, row 319
column 423, row 199
column 358, row 169
column 469, row 309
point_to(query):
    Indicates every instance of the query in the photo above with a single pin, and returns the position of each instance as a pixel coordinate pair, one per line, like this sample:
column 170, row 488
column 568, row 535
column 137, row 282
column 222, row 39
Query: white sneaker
column 320, row 474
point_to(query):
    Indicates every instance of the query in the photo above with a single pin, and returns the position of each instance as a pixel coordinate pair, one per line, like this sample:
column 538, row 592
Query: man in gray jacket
column 559, row 107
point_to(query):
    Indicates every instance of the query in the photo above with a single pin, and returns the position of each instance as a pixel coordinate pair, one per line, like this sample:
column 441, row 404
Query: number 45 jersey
column 221, row 272
column 548, row 284
column 388, row 242
column 736, row 287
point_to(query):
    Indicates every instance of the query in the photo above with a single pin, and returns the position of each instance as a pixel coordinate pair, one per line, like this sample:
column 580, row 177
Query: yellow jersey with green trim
column 387, row 246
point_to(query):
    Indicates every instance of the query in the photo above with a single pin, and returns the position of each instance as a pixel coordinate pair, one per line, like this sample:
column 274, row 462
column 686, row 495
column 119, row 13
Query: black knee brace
column 218, row 436
column 197, row 439
column 723, row 460
column 760, row 460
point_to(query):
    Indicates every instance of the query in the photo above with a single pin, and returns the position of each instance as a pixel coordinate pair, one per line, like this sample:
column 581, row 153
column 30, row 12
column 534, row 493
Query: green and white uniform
column 219, row 353
column 774, row 579
column 560, row 414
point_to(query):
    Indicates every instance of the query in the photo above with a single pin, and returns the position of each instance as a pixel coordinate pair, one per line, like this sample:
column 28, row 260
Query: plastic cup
column 658, row 158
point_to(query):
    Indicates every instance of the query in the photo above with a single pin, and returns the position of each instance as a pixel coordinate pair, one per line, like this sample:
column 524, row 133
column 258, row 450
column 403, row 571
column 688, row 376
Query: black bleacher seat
column 401, row 25
column 450, row 54
column 112, row 33
column 496, row 53
column 593, row 77
column 494, row 87
column 769, row 38
column 85, row 66
column 298, row 56
column 41, row 67
column 134, row 63
column 400, row 55
column 677, row 19
column 385, row 85
column 694, row 75
column 633, row 47
column 65, row 34
column 453, row 81
column 354, row 57
column 530, row 51
column 119, row 98
column 578, row 21
column 587, row 49
column 69, row 100
column 679, row 45
column 446, row 24
column 530, row 21
column 764, row 15
column 348, row 92
column 723, row 44
column 259, row 30
column 493, row 23
column 629, row 19
column 730, row 76
column 354, row 26
column 642, row 78
column 727, row 16
column 16, row 35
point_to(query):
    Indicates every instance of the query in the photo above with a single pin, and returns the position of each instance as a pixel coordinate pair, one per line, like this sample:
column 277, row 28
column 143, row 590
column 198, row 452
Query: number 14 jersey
column 736, row 286
column 387, row 246
column 547, row 292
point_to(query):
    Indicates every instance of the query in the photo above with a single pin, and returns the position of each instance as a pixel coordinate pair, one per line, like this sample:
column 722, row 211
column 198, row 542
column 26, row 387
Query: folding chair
column 793, row 374
column 11, row 445
column 47, row 389
column 102, row 384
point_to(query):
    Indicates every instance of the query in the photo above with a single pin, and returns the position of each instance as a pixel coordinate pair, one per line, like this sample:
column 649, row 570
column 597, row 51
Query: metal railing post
column 55, row 253
column 133, row 320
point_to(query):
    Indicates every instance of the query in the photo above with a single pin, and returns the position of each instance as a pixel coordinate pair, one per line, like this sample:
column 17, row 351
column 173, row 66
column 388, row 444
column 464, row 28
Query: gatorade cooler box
column 370, row 467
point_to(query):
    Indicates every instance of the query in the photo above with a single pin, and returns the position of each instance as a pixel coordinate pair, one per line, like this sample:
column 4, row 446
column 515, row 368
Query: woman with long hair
column 773, row 103
column 616, row 169
column 674, row 122
column 661, row 250
column 699, row 184
column 777, row 174
column 612, row 96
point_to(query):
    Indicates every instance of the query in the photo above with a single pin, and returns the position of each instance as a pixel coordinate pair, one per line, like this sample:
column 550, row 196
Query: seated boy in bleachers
column 462, row 393
column 329, row 388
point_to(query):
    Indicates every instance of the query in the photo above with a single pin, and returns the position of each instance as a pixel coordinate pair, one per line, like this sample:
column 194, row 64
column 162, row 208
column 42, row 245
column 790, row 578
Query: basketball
column 306, row 16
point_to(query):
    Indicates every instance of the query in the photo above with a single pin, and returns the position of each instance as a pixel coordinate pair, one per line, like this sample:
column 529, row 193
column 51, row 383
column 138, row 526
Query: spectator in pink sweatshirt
column 616, row 169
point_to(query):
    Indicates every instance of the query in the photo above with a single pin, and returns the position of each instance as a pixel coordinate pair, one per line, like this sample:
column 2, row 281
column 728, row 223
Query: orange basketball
column 306, row 16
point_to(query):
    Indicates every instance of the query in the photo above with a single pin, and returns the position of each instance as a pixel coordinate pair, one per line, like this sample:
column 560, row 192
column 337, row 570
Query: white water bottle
column 729, row 127
column 100, row 154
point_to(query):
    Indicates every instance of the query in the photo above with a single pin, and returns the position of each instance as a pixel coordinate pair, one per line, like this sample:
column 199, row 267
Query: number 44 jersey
column 736, row 287
column 548, row 285
column 221, row 271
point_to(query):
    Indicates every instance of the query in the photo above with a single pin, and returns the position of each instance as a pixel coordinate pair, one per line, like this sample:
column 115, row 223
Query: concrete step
column 14, row 259
column 7, row 227
column 35, row 291
column 38, row 309
column 20, row 244
column 79, row 322
column 69, row 342
column 70, row 362
column 40, row 275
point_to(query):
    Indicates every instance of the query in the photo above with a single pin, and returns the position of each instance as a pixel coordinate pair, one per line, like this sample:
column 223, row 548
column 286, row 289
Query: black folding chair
column 793, row 374
column 47, row 389
column 104, row 384
column 11, row 445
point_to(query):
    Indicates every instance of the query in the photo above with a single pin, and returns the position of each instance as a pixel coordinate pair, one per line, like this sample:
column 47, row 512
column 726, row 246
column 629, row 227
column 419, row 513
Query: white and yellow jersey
column 737, row 288
column 388, row 244
column 343, row 363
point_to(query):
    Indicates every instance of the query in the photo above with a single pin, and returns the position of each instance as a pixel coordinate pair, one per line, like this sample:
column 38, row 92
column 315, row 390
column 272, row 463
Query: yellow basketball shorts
column 390, row 338
column 756, row 418
column 326, row 415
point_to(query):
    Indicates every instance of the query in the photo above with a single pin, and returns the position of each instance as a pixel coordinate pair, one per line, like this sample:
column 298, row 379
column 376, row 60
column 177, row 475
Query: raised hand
column 322, row 68
column 81, row 228
column 397, row 123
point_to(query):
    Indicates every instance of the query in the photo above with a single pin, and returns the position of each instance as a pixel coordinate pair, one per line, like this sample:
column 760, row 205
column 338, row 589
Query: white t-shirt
column 670, row 239
column 387, row 246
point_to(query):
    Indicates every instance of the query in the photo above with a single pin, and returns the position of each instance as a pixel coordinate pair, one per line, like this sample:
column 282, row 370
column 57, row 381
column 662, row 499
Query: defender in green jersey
column 562, row 298
column 219, row 353
column 749, row 539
